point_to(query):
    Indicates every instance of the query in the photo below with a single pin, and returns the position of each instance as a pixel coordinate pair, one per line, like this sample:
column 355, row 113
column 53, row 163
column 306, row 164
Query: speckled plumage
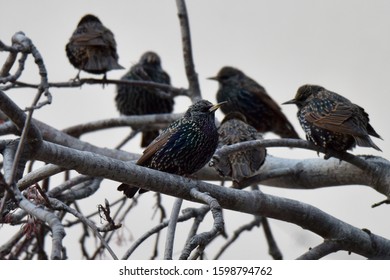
column 242, row 164
column 331, row 120
column 251, row 99
column 138, row 100
column 184, row 147
column 92, row 47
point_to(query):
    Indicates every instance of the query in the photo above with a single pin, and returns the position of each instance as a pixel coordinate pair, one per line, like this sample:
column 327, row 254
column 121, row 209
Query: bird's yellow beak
column 216, row 106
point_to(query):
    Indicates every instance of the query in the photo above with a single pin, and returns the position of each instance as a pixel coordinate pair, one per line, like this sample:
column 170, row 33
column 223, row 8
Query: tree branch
column 254, row 202
column 171, row 229
column 151, row 121
column 218, row 226
column 247, row 227
column 187, row 214
column 173, row 92
column 192, row 76
column 322, row 250
column 273, row 248
column 59, row 205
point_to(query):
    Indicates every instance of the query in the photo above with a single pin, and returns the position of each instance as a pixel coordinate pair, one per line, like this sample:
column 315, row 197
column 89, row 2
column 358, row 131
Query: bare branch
column 273, row 248
column 192, row 76
column 322, row 250
column 197, row 221
column 173, row 92
column 247, row 227
column 218, row 226
column 187, row 214
column 38, row 175
column 151, row 121
column 59, row 205
column 171, row 229
column 254, row 202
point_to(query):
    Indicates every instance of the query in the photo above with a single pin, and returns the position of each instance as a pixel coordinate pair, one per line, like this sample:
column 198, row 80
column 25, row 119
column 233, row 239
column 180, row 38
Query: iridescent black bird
column 184, row 147
column 92, row 47
column 242, row 164
column 331, row 120
column 251, row 99
column 138, row 100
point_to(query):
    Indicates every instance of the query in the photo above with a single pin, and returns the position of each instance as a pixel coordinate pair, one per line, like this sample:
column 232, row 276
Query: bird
column 332, row 121
column 184, row 147
column 251, row 99
column 92, row 47
column 141, row 100
column 243, row 164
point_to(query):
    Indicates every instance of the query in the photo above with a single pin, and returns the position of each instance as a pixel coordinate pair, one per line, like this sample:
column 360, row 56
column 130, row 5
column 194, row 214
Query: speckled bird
column 92, row 47
column 251, row 99
column 184, row 147
column 332, row 121
column 140, row 100
column 242, row 164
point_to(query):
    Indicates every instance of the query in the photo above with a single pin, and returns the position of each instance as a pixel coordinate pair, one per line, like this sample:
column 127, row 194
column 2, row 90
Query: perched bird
column 242, row 164
column 251, row 99
column 138, row 100
column 332, row 121
column 184, row 147
column 92, row 47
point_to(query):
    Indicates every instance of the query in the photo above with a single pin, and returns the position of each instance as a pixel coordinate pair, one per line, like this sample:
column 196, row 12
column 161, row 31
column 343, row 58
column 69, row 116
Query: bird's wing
column 336, row 117
column 94, row 37
column 257, row 90
column 285, row 129
column 156, row 145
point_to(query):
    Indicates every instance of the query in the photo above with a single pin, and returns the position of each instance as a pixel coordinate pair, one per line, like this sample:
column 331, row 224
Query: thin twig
column 218, row 226
column 91, row 81
column 158, row 207
column 187, row 214
column 151, row 121
column 171, row 229
column 192, row 76
column 247, row 227
column 57, row 204
column 203, row 210
column 273, row 248
column 321, row 250
column 131, row 135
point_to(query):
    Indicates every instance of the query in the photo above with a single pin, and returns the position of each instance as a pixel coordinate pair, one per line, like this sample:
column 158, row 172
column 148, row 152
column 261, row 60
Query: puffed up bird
column 92, row 47
column 183, row 147
column 251, row 99
column 141, row 100
column 242, row 164
column 332, row 121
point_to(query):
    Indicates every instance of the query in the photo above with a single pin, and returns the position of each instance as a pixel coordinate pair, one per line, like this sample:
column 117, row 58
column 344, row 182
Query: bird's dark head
column 88, row 19
column 202, row 107
column 303, row 93
column 150, row 58
column 226, row 74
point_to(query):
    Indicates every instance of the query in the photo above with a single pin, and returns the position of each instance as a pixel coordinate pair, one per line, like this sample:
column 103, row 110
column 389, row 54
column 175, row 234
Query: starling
column 251, row 99
column 92, row 47
column 184, row 147
column 242, row 164
column 332, row 121
column 138, row 100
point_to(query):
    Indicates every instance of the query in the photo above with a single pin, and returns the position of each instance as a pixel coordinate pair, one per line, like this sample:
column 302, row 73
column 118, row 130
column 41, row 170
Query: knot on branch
column 21, row 43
